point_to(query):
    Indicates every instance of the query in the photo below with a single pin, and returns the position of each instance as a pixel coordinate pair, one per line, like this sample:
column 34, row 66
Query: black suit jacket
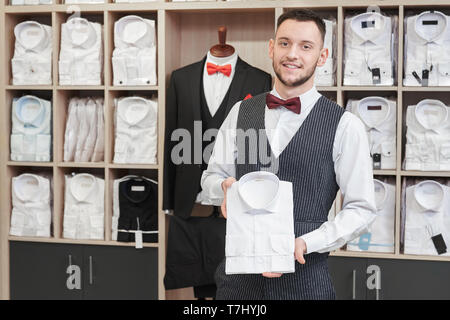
column 181, row 181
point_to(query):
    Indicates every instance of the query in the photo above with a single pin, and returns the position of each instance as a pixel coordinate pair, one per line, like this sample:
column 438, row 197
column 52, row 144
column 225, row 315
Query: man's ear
column 271, row 46
column 323, row 57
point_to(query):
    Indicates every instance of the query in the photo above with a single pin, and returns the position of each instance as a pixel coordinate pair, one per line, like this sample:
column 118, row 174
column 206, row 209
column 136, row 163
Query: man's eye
column 284, row 44
column 306, row 47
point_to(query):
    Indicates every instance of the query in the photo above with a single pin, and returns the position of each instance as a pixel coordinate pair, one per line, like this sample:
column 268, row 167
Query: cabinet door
column 120, row 273
column 41, row 271
column 349, row 277
column 411, row 279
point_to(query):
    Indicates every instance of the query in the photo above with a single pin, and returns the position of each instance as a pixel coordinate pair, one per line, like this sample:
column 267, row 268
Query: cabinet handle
column 354, row 285
column 90, row 270
column 70, row 260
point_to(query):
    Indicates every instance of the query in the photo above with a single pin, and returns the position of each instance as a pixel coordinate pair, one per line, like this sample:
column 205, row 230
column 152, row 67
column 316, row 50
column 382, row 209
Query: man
column 317, row 146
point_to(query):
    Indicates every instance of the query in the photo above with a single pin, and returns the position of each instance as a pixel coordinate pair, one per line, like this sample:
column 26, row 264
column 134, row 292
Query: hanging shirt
column 134, row 55
column 99, row 148
column 427, row 50
column 260, row 225
column 427, row 136
column 324, row 75
column 83, row 128
column 71, row 133
column 427, row 216
column 84, row 207
column 87, row 149
column 380, row 237
column 368, row 50
column 81, row 55
column 31, row 214
column 379, row 116
column 31, row 129
column 32, row 60
column 136, row 131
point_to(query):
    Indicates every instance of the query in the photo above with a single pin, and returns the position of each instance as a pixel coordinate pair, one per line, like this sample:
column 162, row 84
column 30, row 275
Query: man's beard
column 297, row 82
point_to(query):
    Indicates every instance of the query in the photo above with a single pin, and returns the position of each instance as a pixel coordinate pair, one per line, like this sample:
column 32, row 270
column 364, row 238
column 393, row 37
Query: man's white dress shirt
column 427, row 215
column 134, row 55
column 428, row 136
column 350, row 155
column 368, row 49
column 31, row 214
column 32, row 60
column 325, row 74
column 31, row 138
column 84, row 207
column 379, row 116
column 136, row 130
column 427, row 50
column 81, row 55
column 260, row 225
column 380, row 237
column 99, row 147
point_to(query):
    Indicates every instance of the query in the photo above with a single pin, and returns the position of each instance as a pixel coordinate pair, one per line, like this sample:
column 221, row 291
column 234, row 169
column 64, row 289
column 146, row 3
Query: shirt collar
column 85, row 178
column 420, row 29
column 26, row 101
column 81, row 32
column 126, row 189
column 365, row 114
column 222, row 61
column 33, row 195
column 307, row 99
column 429, row 195
column 134, row 30
column 421, row 109
column 31, row 35
column 252, row 200
column 373, row 34
column 133, row 109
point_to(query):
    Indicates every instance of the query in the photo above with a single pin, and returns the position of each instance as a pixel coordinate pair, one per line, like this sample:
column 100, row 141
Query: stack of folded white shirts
column 136, row 130
column 29, row 2
column 84, row 207
column 84, row 139
column 32, row 60
column 260, row 225
column 31, row 138
column 324, row 75
column 379, row 116
column 81, row 55
column 380, row 237
column 428, row 136
column 134, row 55
column 427, row 223
column 31, row 213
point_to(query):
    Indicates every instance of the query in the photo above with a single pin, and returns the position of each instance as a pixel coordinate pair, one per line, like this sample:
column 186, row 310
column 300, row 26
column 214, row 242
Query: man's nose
column 294, row 52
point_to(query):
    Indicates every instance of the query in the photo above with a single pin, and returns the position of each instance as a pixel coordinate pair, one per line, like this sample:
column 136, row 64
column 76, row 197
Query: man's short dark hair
column 303, row 15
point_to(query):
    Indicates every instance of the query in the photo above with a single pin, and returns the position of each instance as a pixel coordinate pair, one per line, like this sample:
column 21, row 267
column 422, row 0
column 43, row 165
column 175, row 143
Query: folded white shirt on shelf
column 31, row 129
column 31, row 213
column 427, row 136
column 81, row 55
column 324, row 76
column 379, row 116
column 427, row 216
column 136, row 130
column 84, row 207
column 260, row 225
column 32, row 60
column 134, row 55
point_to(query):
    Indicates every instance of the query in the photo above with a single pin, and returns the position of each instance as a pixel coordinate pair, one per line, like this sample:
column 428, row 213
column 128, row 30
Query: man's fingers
column 272, row 274
column 223, row 208
column 299, row 257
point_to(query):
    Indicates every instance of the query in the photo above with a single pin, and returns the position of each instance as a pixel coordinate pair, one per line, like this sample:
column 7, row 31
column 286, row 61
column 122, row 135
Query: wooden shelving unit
column 185, row 31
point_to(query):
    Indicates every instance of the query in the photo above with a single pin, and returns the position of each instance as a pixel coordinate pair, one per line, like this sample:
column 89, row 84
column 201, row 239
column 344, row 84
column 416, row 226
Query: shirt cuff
column 315, row 241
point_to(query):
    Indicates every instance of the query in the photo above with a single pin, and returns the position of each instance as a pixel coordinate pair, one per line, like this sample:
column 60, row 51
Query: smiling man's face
column 296, row 51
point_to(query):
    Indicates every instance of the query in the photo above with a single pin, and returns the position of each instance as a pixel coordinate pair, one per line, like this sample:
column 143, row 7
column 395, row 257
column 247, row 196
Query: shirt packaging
column 31, row 129
column 260, row 225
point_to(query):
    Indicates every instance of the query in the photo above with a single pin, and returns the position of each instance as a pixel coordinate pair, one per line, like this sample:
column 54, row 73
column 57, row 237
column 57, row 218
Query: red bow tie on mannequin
column 213, row 68
column 292, row 104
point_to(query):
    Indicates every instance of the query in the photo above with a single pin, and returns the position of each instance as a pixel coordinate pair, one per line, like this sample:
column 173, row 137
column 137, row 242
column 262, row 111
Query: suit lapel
column 237, row 84
column 195, row 80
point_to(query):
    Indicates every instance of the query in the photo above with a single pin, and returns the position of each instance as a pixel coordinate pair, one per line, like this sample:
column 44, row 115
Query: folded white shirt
column 31, row 129
column 324, row 75
column 99, row 148
column 380, row 237
column 260, row 225
column 368, row 50
column 379, row 116
column 91, row 119
column 84, row 207
column 134, row 55
column 136, row 131
column 427, row 49
column 32, row 60
column 31, row 214
column 71, row 133
column 81, row 55
column 427, row 136
column 427, row 215
column 83, row 128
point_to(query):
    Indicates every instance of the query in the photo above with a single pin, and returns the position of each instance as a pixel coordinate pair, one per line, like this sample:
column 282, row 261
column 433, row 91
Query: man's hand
column 225, row 185
column 300, row 250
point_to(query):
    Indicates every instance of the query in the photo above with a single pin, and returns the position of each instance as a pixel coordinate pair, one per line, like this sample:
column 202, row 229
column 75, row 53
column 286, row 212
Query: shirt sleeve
column 354, row 175
column 221, row 164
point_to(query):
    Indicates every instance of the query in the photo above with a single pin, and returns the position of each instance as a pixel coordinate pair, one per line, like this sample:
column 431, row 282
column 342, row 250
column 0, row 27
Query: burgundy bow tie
column 292, row 104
